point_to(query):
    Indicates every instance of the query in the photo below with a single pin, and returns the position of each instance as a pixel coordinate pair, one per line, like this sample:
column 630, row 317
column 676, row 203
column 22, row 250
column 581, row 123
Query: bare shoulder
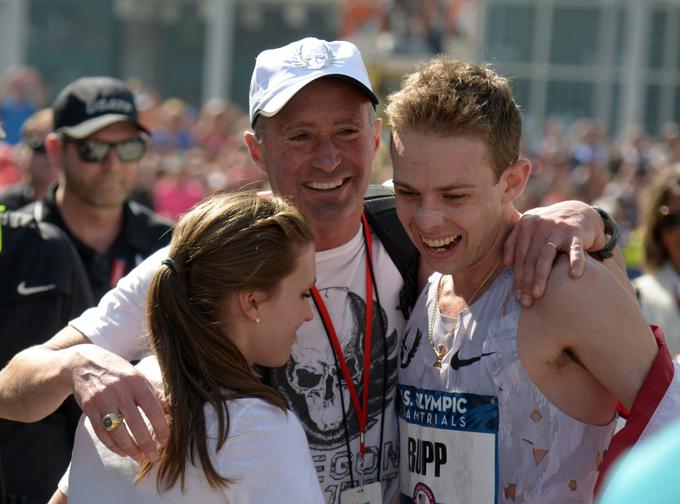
column 591, row 316
column 595, row 276
column 585, row 304
column 595, row 320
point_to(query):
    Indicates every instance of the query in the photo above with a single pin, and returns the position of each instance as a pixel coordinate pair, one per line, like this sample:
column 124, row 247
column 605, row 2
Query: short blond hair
column 448, row 97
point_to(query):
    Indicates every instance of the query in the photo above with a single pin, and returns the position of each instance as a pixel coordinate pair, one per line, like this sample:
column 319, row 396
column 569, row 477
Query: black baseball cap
column 90, row 104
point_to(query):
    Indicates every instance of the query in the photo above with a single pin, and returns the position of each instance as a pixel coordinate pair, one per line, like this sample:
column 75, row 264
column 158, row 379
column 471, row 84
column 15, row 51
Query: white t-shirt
column 266, row 456
column 309, row 381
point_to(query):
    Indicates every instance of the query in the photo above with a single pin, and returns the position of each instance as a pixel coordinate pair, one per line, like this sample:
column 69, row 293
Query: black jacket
column 143, row 232
column 42, row 286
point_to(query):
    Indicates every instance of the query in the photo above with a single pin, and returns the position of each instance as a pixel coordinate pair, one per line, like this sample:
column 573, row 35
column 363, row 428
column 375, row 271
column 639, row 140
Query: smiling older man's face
column 318, row 151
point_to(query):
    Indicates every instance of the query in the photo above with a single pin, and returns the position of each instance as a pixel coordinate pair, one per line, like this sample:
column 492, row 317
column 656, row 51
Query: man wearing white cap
column 315, row 134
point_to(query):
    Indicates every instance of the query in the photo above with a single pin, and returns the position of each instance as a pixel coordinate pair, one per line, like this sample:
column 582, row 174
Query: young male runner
column 498, row 403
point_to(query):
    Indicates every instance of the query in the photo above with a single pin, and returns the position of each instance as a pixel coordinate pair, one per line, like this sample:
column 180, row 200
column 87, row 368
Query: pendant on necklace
column 439, row 355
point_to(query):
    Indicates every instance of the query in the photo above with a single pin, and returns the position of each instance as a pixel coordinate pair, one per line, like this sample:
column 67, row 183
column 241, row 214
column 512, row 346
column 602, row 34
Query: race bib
column 449, row 447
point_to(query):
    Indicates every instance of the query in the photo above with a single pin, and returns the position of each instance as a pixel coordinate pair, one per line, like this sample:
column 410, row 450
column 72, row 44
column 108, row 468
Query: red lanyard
column 361, row 409
column 117, row 271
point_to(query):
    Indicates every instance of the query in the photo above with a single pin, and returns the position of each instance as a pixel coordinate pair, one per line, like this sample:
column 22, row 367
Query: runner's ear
column 514, row 179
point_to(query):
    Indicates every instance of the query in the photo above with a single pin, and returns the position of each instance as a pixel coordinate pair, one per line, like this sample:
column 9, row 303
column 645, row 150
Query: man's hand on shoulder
column 104, row 383
column 540, row 234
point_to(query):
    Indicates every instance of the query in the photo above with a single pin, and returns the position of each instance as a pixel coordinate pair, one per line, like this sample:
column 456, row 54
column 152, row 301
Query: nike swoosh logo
column 27, row 291
column 457, row 362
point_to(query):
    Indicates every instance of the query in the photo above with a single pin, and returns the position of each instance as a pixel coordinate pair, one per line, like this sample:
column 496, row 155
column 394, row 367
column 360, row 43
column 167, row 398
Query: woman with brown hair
column 659, row 289
column 230, row 296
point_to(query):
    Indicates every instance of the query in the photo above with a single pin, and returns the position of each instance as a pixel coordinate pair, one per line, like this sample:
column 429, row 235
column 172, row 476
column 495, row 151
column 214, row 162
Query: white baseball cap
column 280, row 73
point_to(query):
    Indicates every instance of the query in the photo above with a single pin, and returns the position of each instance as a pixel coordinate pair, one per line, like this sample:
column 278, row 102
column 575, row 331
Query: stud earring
column 257, row 320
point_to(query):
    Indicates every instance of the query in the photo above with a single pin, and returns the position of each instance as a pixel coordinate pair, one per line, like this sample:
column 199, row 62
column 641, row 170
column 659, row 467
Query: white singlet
column 479, row 431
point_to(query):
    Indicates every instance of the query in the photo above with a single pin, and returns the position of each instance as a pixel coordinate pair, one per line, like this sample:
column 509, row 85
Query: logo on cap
column 313, row 55
column 112, row 105
column 281, row 73
column 90, row 104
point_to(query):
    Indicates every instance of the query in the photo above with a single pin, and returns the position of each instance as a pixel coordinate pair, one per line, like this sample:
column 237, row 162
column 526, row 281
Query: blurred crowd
column 192, row 152
column 197, row 151
column 584, row 163
column 420, row 27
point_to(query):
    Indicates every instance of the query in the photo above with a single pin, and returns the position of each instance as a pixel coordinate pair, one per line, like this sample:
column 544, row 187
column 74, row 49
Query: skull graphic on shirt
column 310, row 382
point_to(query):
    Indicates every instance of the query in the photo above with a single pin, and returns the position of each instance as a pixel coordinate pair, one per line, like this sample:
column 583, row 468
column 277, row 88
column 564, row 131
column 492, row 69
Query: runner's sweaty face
column 449, row 199
column 428, row 218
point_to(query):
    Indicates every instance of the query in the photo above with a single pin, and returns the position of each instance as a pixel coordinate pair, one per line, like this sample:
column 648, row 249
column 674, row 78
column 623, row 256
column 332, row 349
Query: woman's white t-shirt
column 266, row 455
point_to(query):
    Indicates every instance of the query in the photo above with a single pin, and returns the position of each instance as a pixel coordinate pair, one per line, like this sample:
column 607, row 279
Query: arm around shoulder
column 37, row 380
column 118, row 322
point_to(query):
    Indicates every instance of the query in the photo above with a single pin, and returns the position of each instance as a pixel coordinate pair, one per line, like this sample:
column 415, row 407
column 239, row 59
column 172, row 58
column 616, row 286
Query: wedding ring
column 112, row 421
column 552, row 244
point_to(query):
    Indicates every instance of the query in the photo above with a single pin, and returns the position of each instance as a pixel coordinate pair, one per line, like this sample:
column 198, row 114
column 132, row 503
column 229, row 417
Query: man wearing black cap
column 41, row 290
column 96, row 144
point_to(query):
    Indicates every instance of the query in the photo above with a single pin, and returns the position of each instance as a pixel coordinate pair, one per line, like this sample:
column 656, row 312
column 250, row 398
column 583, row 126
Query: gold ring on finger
column 552, row 244
column 112, row 421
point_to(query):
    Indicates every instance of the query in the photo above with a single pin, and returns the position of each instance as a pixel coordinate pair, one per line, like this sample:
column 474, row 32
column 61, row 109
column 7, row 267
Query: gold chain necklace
column 440, row 351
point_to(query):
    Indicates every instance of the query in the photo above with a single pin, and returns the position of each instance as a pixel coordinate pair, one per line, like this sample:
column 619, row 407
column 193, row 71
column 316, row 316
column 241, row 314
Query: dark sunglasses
column 96, row 151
